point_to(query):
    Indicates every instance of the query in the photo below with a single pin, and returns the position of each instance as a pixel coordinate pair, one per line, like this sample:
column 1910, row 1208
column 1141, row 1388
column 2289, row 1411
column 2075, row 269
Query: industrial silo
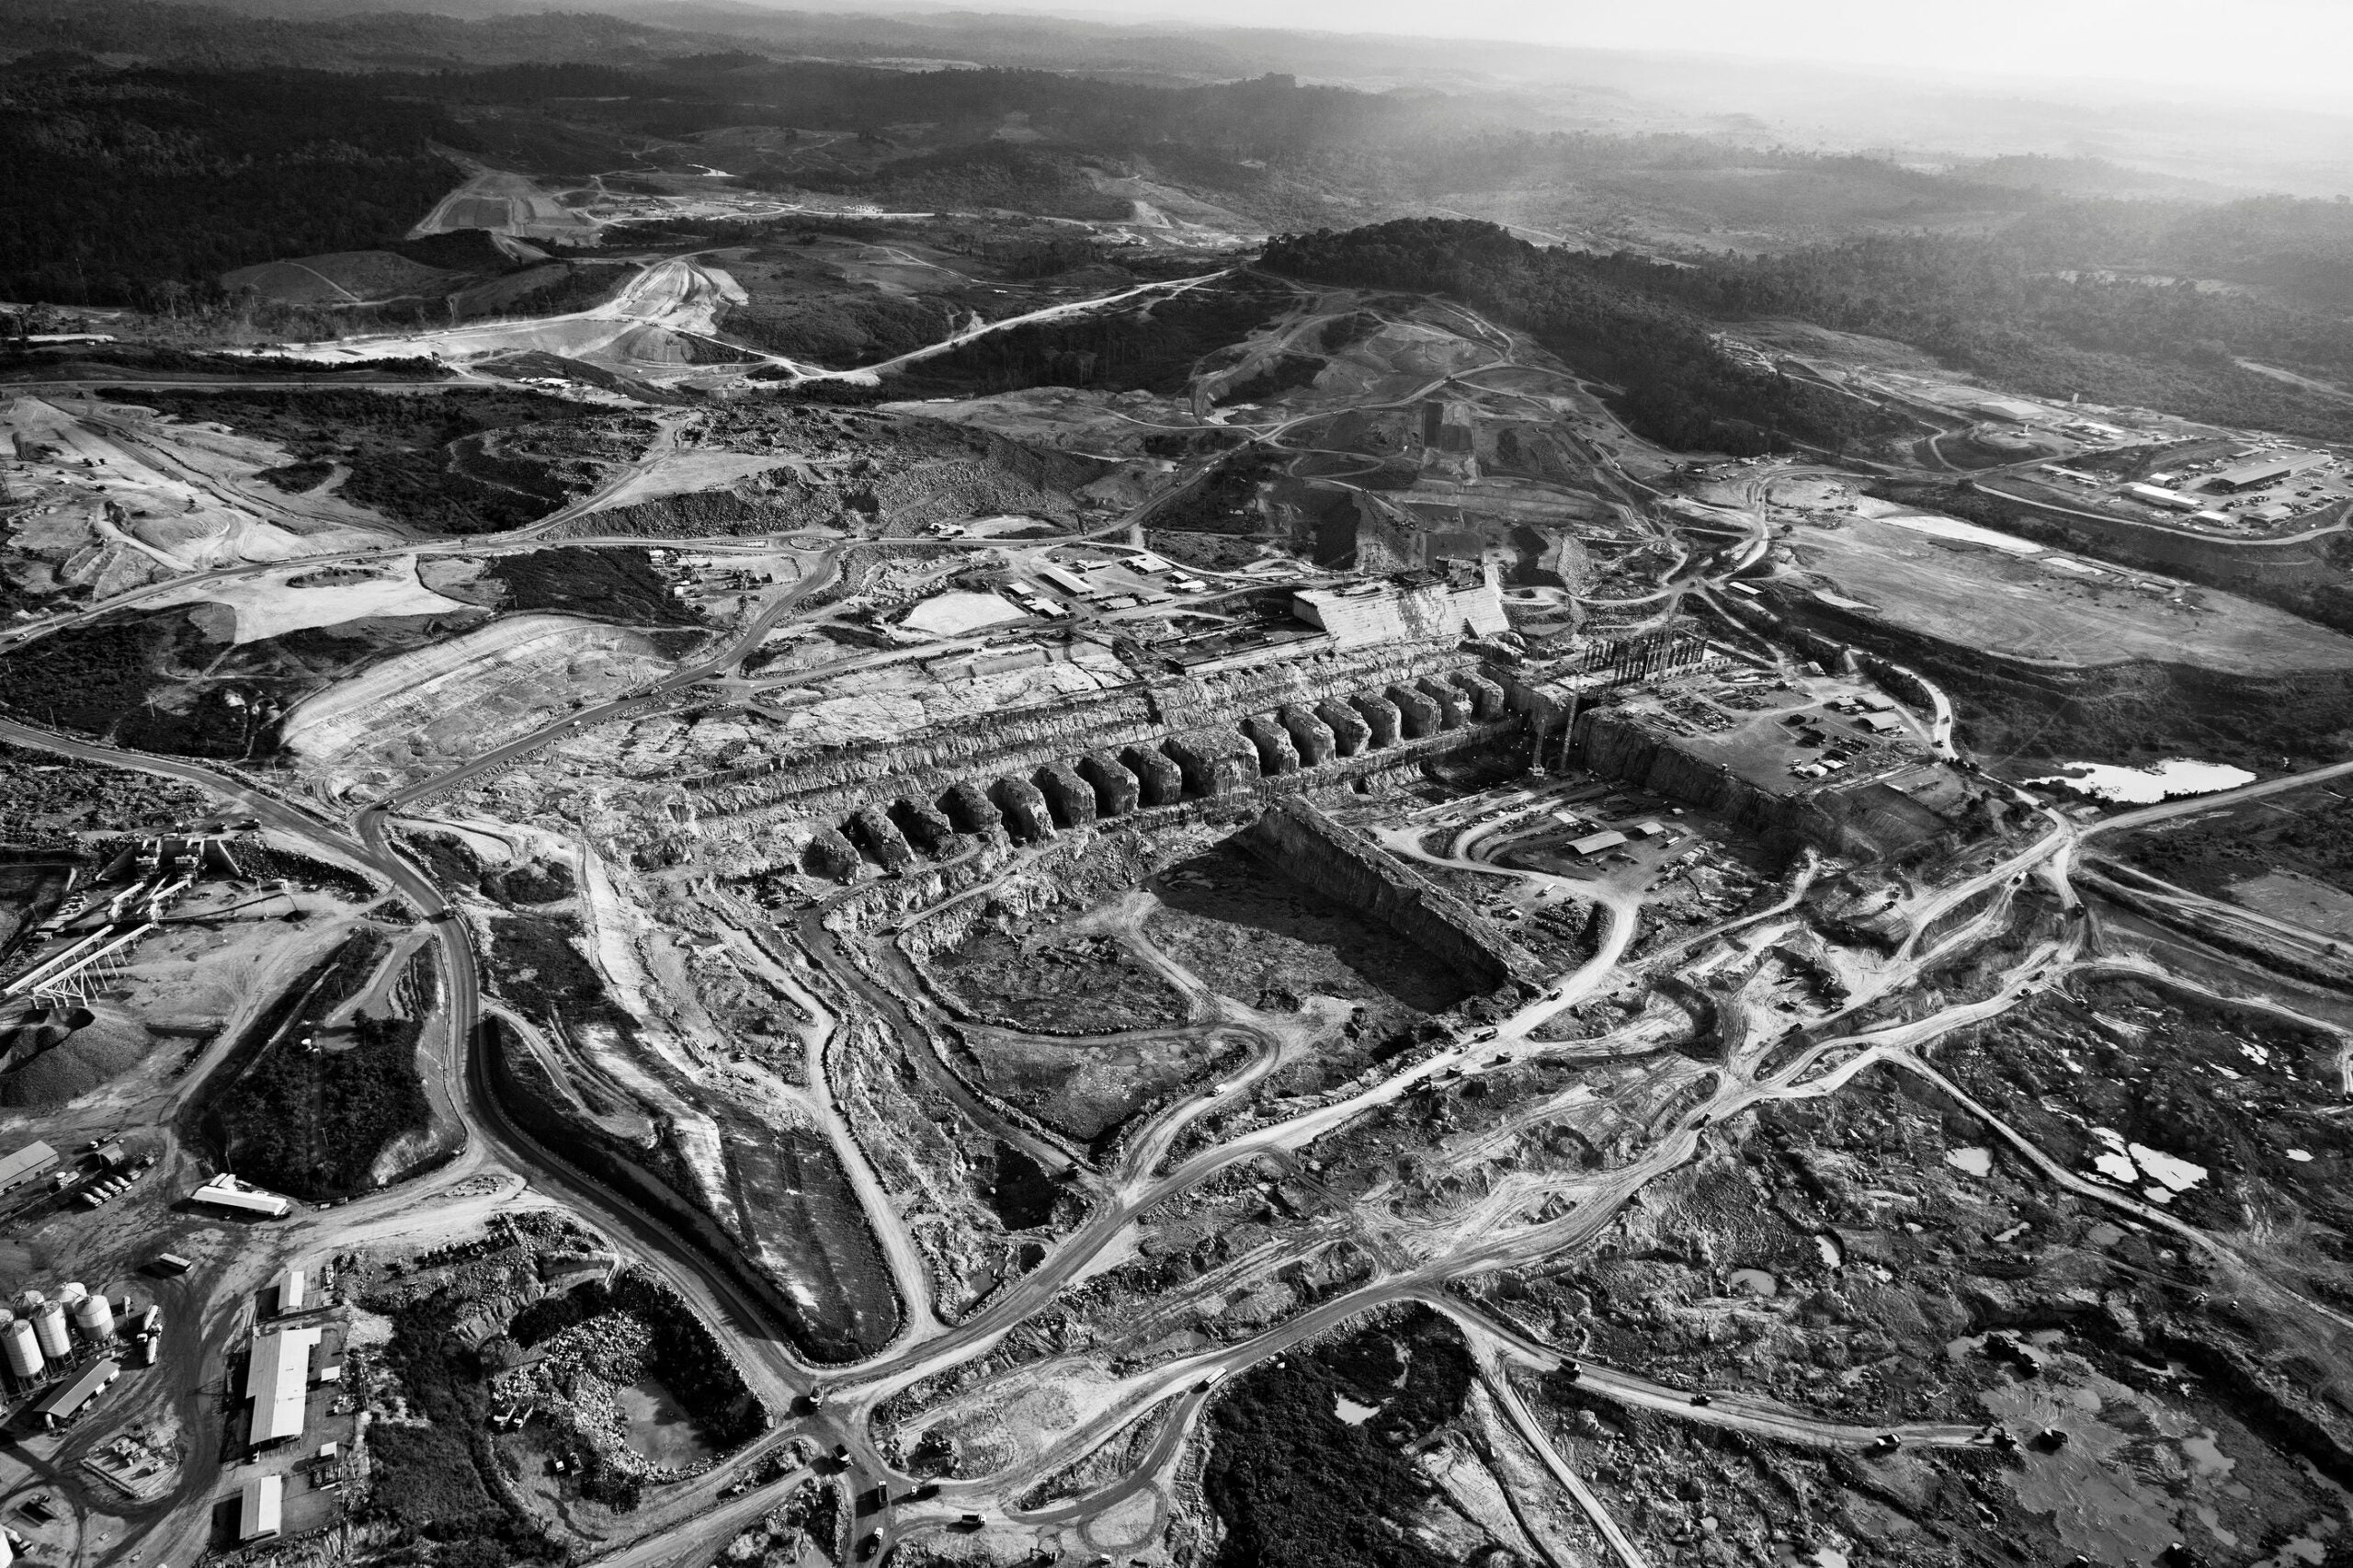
column 70, row 1294
column 49, row 1328
column 25, row 1301
column 95, row 1318
column 22, row 1350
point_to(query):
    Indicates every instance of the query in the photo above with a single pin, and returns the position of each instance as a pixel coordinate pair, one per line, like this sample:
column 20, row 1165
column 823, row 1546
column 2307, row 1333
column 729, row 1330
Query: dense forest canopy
column 129, row 188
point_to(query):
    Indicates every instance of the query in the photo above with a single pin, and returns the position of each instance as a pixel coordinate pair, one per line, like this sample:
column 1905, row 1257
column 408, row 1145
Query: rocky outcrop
column 1381, row 718
column 1350, row 734
column 1486, row 696
column 1214, row 762
column 926, row 827
column 1276, row 755
column 967, row 804
column 1070, row 798
column 1342, row 864
column 879, row 836
column 831, row 854
column 1117, row 789
column 1023, row 804
column 1311, row 737
column 1453, row 709
column 1161, row 781
column 1417, row 714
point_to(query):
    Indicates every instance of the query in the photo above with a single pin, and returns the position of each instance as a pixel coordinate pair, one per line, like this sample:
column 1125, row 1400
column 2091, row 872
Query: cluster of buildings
column 278, row 1383
column 74, row 1343
column 2247, row 486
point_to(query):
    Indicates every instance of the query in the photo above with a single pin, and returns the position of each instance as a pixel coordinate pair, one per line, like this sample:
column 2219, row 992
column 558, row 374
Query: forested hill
column 2029, row 309
column 124, row 188
column 1679, row 387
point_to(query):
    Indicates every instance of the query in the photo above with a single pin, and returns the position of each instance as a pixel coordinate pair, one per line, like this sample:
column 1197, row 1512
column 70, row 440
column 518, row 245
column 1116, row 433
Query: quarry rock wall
column 1343, row 865
column 1615, row 745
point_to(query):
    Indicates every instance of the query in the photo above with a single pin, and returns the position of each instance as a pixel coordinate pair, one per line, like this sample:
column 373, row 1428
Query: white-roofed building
column 260, row 1508
column 277, row 1380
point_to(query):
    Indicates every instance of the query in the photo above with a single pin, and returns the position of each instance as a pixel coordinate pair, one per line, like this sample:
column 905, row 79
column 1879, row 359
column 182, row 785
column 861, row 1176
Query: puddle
column 2146, row 785
column 1350, row 1413
column 658, row 1426
column 1832, row 1256
column 2126, row 1163
column 1753, row 1282
column 1975, row 1162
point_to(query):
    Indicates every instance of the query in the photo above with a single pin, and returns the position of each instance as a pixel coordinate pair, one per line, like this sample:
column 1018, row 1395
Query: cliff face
column 1345, row 866
column 1614, row 743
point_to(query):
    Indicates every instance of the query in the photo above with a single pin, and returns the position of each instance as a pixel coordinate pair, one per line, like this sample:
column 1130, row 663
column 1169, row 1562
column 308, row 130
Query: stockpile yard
column 809, row 797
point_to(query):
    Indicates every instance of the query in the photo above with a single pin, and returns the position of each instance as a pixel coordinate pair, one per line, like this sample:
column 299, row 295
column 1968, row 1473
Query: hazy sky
column 2245, row 52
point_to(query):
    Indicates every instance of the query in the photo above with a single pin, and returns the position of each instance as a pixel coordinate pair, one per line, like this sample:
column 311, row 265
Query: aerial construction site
column 622, row 946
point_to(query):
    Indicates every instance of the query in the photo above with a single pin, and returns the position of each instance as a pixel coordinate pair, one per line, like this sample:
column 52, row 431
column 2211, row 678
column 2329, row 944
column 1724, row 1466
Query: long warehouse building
column 2266, row 471
column 277, row 1380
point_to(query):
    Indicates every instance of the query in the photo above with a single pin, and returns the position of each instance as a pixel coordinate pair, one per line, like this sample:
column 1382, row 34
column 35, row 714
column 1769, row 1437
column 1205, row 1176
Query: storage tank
column 21, row 1348
column 94, row 1315
column 70, row 1294
column 49, row 1328
column 25, row 1301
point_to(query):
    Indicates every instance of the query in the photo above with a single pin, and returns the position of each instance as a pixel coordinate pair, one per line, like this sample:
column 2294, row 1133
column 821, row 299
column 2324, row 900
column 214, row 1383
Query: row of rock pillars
column 1205, row 764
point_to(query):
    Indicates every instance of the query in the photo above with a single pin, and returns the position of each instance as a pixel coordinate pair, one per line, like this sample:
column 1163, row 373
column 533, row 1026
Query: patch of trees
column 1286, row 371
column 617, row 583
column 113, row 679
column 2206, row 856
column 1223, row 500
column 266, row 862
column 1295, row 1485
column 683, row 1354
column 297, row 478
column 1679, row 387
column 313, row 1124
column 427, row 1481
column 537, row 964
column 398, row 448
column 141, row 188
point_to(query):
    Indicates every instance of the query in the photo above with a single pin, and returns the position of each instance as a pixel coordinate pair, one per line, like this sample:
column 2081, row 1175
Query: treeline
column 1678, row 386
column 141, row 188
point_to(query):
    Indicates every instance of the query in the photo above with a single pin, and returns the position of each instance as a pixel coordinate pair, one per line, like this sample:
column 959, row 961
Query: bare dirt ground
column 1977, row 597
